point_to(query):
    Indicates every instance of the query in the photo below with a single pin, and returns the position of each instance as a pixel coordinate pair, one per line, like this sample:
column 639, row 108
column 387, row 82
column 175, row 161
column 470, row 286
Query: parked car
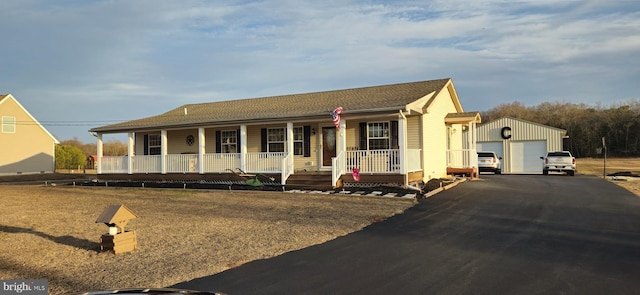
column 561, row 161
column 489, row 162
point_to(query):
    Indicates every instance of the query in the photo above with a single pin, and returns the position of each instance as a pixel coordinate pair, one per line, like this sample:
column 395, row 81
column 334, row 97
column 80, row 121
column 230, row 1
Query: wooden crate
column 119, row 243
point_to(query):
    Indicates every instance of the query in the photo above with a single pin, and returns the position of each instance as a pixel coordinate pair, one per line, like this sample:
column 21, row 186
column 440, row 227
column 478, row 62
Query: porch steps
column 310, row 180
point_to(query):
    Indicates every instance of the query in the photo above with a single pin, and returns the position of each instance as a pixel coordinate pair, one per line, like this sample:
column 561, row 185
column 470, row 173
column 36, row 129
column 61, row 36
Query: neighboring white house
column 520, row 143
column 25, row 145
column 397, row 133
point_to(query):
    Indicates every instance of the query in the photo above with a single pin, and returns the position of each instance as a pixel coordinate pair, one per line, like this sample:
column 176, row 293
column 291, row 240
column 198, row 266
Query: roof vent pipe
column 185, row 111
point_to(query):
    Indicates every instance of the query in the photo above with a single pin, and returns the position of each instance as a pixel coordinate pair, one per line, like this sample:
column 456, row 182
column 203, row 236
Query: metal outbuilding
column 520, row 143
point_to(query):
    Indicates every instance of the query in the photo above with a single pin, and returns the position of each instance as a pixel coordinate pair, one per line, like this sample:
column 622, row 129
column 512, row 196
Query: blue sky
column 79, row 64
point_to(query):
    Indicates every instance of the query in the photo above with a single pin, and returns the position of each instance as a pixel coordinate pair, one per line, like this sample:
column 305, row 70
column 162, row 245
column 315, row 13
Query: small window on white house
column 276, row 138
column 8, row 124
column 378, row 138
column 298, row 141
column 229, row 141
column 155, row 144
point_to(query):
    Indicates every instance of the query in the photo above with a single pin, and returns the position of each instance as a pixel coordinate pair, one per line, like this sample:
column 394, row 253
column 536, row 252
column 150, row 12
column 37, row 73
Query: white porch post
column 130, row 153
column 402, row 146
column 290, row 143
column 472, row 138
column 163, row 151
column 201, row 150
column 243, row 147
column 342, row 137
column 99, row 153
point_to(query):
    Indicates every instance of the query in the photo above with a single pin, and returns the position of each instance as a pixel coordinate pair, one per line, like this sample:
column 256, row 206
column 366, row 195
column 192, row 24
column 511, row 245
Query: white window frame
column 276, row 136
column 298, row 141
column 154, row 142
column 385, row 135
column 228, row 141
column 8, row 124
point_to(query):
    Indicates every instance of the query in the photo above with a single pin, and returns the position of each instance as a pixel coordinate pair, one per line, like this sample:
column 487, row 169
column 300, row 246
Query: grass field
column 595, row 166
column 50, row 232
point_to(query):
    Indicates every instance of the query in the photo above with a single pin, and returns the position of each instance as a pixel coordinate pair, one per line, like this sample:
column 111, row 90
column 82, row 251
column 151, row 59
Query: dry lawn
column 595, row 166
column 50, row 232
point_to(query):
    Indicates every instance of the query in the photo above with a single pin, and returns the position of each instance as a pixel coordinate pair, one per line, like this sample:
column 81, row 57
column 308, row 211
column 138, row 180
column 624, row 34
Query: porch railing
column 115, row 165
column 464, row 158
column 373, row 161
column 178, row 163
column 368, row 161
column 287, row 168
column 221, row 162
column 147, row 164
column 264, row 162
column 188, row 163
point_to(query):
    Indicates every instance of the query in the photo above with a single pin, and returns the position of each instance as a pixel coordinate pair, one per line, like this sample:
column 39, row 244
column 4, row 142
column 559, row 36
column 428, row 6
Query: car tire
column 498, row 171
column 545, row 172
column 571, row 173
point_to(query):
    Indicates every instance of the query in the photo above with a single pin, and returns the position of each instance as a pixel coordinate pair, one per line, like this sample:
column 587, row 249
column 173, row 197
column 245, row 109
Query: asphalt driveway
column 503, row 234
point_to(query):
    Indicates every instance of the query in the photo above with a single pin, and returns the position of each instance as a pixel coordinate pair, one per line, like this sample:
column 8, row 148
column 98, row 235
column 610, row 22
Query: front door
column 328, row 145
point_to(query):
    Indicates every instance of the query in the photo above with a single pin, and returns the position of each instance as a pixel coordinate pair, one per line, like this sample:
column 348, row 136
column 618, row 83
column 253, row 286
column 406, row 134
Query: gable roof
column 464, row 117
column 507, row 118
column 7, row 97
column 308, row 105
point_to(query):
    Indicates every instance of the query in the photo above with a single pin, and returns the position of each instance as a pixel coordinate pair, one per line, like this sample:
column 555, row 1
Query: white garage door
column 491, row 146
column 525, row 156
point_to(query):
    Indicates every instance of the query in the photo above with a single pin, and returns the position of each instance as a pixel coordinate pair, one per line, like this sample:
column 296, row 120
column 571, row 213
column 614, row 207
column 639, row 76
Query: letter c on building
column 504, row 134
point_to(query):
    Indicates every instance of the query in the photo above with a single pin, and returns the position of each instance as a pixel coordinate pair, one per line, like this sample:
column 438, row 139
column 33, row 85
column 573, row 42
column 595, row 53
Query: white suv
column 489, row 162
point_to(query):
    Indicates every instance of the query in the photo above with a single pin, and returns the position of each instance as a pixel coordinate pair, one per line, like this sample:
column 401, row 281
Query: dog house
column 117, row 239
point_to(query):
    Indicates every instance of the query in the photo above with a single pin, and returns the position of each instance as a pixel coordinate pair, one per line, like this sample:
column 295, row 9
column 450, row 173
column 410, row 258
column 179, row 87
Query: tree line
column 73, row 154
column 586, row 125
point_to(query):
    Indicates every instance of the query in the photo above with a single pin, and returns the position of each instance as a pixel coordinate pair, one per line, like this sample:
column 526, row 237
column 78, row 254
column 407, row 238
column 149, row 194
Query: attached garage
column 520, row 143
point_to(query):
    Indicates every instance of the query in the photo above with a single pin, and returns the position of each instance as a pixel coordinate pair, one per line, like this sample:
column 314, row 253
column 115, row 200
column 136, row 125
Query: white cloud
column 156, row 55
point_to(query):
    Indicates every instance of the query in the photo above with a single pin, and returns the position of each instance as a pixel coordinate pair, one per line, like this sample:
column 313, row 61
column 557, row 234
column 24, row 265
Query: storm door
column 328, row 145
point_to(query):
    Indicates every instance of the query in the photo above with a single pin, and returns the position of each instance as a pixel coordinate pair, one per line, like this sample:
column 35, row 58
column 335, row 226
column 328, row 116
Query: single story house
column 520, row 143
column 401, row 133
column 26, row 147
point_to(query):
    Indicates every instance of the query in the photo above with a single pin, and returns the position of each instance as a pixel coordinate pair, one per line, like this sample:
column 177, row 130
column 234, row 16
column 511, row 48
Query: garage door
column 525, row 156
column 491, row 146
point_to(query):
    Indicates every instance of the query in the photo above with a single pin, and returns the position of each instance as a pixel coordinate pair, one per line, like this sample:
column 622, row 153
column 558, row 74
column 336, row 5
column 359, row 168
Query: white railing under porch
column 146, row 164
column 188, row 163
column 464, row 158
column 114, row 164
column 375, row 162
column 179, row 163
column 221, row 162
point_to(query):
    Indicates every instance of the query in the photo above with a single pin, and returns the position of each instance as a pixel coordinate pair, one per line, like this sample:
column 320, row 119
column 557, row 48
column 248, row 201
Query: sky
column 79, row 64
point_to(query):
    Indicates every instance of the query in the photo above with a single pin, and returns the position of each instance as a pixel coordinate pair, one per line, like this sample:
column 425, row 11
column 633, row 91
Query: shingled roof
column 353, row 101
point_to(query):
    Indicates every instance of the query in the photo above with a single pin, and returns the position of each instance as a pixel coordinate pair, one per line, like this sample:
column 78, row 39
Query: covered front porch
column 300, row 147
column 212, row 153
